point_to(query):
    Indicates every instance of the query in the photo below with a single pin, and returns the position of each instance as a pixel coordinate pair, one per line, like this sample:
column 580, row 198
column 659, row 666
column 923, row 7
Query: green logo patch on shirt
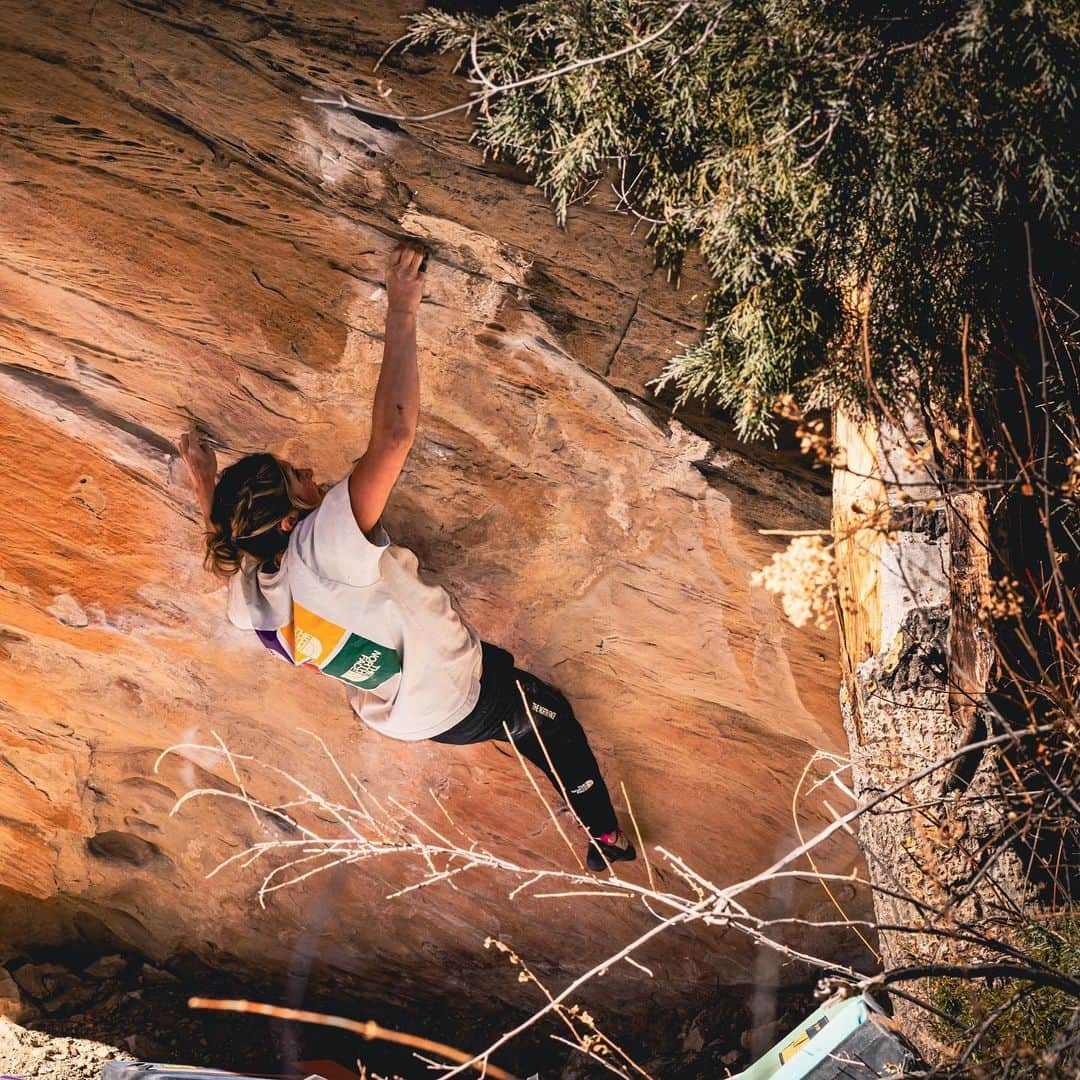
column 363, row 663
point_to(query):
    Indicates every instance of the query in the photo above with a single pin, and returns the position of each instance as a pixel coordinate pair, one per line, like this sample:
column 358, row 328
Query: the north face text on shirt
column 316, row 642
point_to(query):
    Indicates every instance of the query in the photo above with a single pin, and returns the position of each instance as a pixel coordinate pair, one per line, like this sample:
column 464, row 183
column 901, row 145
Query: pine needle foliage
column 856, row 176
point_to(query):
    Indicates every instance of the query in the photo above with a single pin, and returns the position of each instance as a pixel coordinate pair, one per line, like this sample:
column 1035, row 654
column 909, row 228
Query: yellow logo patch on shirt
column 311, row 638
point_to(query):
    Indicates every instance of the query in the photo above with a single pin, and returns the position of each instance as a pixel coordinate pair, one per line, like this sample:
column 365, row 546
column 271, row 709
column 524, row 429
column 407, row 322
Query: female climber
column 315, row 576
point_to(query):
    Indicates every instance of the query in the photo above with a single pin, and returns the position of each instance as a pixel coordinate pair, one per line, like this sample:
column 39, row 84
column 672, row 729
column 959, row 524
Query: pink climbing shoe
column 608, row 848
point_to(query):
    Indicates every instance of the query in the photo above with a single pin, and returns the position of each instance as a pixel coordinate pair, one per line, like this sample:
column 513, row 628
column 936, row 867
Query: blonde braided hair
column 250, row 500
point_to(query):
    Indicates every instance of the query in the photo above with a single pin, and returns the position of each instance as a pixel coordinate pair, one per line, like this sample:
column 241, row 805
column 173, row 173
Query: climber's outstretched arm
column 201, row 461
column 396, row 408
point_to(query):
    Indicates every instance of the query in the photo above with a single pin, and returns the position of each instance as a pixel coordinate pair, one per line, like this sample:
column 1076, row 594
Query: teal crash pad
column 842, row 1039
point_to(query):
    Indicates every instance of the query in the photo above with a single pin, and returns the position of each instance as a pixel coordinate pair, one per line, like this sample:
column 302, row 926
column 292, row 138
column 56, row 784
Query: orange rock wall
column 183, row 237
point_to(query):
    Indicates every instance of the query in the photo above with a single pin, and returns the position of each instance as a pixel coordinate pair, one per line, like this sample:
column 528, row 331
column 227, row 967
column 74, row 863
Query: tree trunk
column 913, row 574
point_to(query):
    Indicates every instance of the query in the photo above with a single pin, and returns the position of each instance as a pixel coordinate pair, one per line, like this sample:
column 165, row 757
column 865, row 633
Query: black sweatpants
column 500, row 703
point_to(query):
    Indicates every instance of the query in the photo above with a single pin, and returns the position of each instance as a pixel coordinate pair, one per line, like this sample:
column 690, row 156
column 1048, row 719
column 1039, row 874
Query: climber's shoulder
column 332, row 544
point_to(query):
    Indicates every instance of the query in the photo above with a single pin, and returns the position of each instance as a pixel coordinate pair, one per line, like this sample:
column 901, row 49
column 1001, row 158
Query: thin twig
column 637, row 834
column 367, row 1029
column 540, row 796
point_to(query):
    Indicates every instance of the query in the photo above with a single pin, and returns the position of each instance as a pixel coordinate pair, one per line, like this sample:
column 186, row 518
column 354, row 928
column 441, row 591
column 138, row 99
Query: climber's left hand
column 198, row 456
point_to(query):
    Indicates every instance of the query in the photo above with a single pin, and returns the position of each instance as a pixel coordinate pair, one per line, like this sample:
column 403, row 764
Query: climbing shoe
column 609, row 848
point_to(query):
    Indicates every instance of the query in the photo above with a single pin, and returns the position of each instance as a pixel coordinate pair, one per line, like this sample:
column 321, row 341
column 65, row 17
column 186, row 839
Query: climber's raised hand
column 201, row 461
column 405, row 278
column 198, row 456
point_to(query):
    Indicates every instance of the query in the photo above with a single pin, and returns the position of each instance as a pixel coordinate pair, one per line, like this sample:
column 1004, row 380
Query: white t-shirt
column 357, row 611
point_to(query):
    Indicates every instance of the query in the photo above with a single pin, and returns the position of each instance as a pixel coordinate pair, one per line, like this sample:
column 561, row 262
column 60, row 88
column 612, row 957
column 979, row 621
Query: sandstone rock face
column 185, row 238
column 11, row 1002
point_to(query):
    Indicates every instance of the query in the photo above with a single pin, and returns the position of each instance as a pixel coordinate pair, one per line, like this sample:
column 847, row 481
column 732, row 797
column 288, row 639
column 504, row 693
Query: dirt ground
column 33, row 1055
column 70, row 1014
column 73, row 1017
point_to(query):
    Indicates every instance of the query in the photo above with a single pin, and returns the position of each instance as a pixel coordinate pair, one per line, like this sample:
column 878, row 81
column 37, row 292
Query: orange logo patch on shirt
column 311, row 638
